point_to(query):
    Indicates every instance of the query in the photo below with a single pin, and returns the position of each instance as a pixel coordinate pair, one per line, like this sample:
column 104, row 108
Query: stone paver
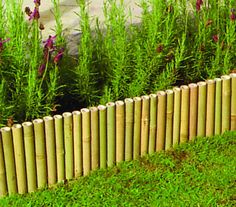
column 69, row 19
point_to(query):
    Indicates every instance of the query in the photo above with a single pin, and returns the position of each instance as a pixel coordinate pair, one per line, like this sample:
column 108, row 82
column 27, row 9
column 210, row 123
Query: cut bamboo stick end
column 218, row 106
column 210, row 111
column 226, row 93
column 145, row 124
column 137, row 127
column 77, row 133
column 19, row 154
column 153, row 123
column 69, row 148
column 50, row 150
column 193, row 103
column 169, row 119
column 86, row 140
column 103, row 135
column 3, row 179
column 120, row 131
column 201, row 118
column 129, row 124
column 161, row 120
column 94, row 138
column 9, row 160
column 184, row 118
column 60, row 150
column 176, row 118
column 233, row 102
column 111, row 134
column 40, row 151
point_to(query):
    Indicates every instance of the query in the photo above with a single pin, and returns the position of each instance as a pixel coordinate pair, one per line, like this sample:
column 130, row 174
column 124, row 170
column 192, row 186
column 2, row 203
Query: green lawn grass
column 199, row 173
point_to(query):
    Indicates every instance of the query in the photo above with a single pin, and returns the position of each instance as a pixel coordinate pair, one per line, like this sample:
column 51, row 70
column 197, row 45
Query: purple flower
column 233, row 16
column 41, row 69
column 198, row 4
column 37, row 2
column 49, row 43
column 35, row 14
column 58, row 56
column 215, row 38
column 2, row 42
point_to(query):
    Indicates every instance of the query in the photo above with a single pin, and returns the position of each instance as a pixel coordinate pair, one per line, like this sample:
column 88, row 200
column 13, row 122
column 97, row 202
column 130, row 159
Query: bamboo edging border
column 50, row 150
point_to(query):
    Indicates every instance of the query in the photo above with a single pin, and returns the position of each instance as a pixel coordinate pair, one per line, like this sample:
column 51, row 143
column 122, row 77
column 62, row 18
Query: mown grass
column 200, row 173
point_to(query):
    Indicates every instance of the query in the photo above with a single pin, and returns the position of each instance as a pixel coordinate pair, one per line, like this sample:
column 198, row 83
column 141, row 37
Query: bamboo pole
column 233, row 101
column 193, row 103
column 111, row 134
column 210, row 111
column 226, row 92
column 30, row 159
column 145, row 118
column 176, row 116
column 184, row 118
column 129, row 126
column 218, row 106
column 153, row 123
column 137, row 127
column 86, row 140
column 77, row 134
column 94, row 138
column 3, row 180
column 19, row 154
column 120, row 131
column 169, row 119
column 69, row 148
column 103, row 135
column 40, row 151
column 161, row 120
column 9, row 160
column 50, row 150
column 60, row 148
column 201, row 119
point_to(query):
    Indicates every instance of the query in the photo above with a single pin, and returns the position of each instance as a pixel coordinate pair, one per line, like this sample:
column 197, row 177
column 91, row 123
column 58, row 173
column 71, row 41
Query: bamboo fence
column 54, row 149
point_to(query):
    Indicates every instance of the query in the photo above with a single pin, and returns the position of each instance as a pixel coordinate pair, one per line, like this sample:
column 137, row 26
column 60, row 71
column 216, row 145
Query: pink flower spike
column 49, row 42
column 58, row 56
column 41, row 69
column 215, row 38
column 35, row 14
